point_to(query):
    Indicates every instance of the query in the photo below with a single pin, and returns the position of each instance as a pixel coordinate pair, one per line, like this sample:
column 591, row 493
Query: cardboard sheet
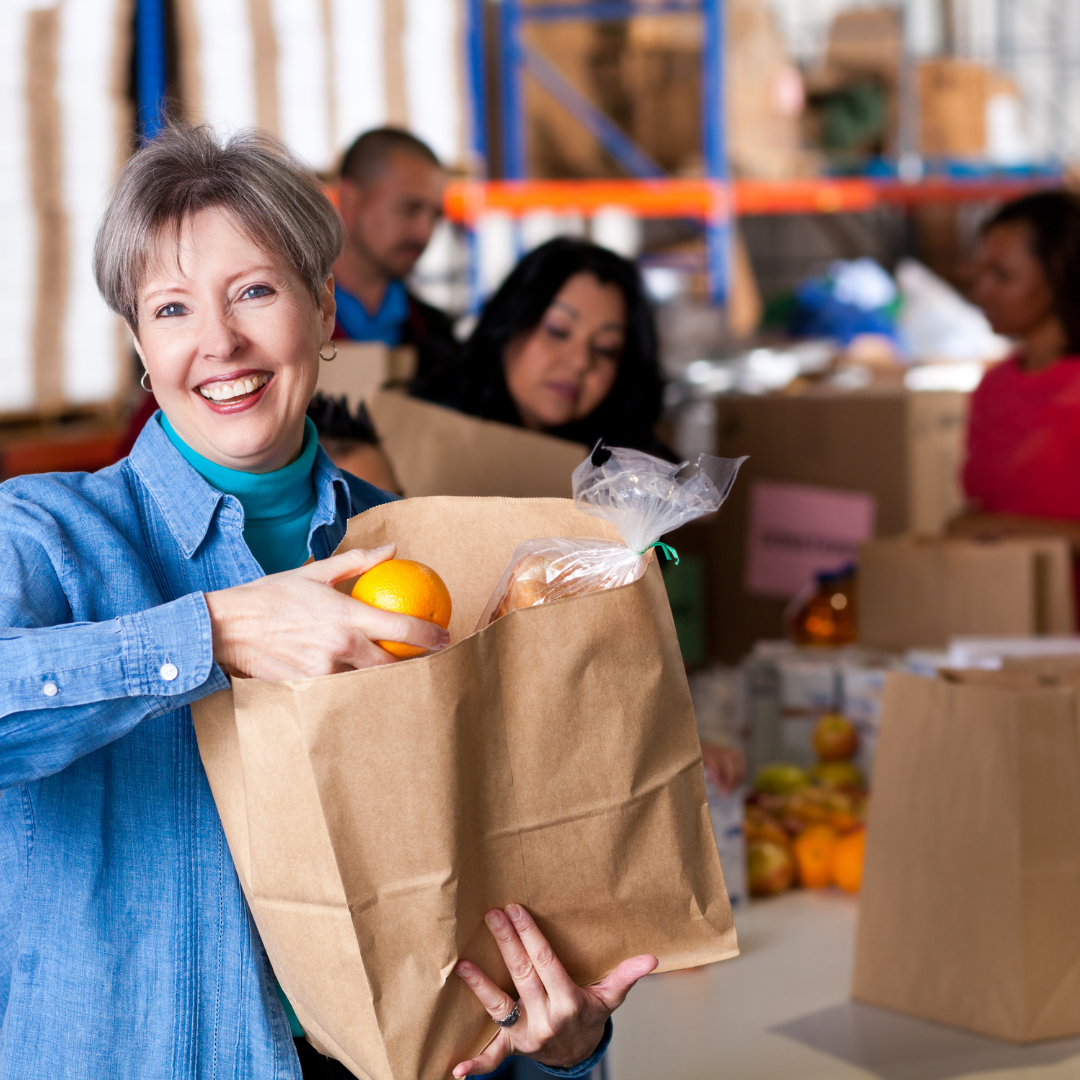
column 437, row 451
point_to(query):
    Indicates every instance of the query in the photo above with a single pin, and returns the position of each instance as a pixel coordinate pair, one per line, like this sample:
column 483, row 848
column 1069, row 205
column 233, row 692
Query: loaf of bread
column 539, row 578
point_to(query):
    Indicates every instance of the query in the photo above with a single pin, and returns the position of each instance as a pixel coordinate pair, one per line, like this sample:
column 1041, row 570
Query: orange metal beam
column 466, row 200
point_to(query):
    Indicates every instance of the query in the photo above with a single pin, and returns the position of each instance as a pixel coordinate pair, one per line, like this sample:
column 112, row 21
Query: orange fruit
column 815, row 850
column 848, row 861
column 410, row 588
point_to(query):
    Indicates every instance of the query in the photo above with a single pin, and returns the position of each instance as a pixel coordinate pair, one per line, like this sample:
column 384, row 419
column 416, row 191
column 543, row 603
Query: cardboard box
column 764, row 92
column 362, row 368
column 972, row 879
column 918, row 593
column 952, row 108
column 904, row 449
column 866, row 43
column 955, row 98
column 437, row 451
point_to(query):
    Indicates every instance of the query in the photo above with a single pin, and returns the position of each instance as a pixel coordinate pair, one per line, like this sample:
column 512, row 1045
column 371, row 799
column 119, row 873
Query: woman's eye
column 560, row 332
column 255, row 292
column 608, row 352
column 170, row 309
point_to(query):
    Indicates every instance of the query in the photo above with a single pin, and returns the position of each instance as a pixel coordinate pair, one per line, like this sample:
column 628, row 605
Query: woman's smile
column 234, row 391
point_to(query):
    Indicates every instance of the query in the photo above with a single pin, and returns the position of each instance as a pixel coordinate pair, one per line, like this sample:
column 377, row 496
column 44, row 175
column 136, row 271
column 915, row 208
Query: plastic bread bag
column 643, row 496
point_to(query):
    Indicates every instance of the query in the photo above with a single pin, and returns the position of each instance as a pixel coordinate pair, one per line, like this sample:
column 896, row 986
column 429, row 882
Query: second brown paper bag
column 972, row 883
column 550, row 759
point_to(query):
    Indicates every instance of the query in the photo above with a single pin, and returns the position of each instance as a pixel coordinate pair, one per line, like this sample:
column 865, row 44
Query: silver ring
column 513, row 1017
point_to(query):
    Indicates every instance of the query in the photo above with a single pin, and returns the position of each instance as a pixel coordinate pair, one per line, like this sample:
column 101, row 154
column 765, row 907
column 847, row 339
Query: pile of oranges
column 807, row 827
column 824, row 858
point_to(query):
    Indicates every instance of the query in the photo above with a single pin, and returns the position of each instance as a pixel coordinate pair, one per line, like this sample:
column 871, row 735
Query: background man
column 391, row 194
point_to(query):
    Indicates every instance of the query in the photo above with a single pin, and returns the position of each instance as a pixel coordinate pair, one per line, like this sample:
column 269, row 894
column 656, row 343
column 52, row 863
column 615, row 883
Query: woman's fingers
column 612, row 991
column 374, row 624
column 498, row 1002
column 548, row 966
column 348, row 564
column 495, row 1053
column 518, row 962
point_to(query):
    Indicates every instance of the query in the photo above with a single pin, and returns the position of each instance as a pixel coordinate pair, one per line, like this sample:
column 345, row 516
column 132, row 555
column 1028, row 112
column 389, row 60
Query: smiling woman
column 126, row 595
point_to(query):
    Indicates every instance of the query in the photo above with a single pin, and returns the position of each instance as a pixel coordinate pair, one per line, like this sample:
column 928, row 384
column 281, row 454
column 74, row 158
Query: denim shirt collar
column 188, row 503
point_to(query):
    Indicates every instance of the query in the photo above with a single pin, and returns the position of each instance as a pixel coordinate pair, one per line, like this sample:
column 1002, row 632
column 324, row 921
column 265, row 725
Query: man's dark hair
column 368, row 155
column 476, row 384
column 1053, row 221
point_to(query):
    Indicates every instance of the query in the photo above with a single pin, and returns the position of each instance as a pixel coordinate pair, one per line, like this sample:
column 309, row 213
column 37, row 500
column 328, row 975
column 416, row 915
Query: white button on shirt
column 168, row 672
column 50, row 689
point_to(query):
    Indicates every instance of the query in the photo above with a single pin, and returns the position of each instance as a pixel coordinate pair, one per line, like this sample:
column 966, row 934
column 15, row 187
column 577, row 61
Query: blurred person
column 566, row 346
column 725, row 765
column 126, row 947
column 1023, row 444
column 390, row 196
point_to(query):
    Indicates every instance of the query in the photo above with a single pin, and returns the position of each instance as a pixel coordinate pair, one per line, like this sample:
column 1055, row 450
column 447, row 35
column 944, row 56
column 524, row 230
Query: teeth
column 228, row 391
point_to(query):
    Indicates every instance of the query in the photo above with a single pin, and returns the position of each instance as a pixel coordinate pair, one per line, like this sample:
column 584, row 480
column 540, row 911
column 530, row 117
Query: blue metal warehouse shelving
column 519, row 60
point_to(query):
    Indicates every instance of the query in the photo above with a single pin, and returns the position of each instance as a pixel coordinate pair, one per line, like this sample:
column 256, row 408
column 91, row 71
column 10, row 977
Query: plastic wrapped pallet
column 316, row 73
column 64, row 132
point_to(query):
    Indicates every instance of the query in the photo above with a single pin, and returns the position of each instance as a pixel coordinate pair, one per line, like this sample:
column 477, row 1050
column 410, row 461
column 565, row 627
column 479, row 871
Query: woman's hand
column 725, row 766
column 296, row 625
column 561, row 1024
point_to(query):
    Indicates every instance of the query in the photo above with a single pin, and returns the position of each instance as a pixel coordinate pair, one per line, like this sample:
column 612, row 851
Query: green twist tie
column 669, row 552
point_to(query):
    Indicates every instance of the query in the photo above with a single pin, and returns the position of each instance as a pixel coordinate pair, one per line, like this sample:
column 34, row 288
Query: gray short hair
column 275, row 200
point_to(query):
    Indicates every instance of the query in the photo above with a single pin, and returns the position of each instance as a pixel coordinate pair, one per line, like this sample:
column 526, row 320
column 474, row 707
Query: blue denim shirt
column 126, row 948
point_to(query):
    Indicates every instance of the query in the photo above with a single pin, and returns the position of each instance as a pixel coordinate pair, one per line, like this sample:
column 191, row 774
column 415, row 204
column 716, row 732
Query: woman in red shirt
column 1024, row 432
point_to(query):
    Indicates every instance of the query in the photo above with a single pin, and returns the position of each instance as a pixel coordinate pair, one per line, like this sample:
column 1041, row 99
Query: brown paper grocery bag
column 971, row 889
column 437, row 451
column 550, row 759
column 917, row 592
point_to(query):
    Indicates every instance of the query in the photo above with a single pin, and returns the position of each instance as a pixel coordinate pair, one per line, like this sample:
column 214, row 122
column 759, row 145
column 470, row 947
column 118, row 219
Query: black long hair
column 475, row 382
column 1053, row 220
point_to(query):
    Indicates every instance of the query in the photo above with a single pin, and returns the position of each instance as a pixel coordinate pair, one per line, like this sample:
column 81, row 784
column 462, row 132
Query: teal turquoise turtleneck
column 277, row 505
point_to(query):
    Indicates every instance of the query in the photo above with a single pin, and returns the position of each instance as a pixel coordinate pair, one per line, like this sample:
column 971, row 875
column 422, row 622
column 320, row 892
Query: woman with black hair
column 1024, row 432
column 567, row 346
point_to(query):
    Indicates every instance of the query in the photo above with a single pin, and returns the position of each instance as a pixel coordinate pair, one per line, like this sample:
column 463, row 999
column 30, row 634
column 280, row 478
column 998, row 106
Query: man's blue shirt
column 386, row 325
column 126, row 947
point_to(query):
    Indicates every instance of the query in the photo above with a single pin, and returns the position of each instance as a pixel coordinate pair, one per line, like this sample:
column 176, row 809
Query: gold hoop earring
column 144, row 382
column 332, row 356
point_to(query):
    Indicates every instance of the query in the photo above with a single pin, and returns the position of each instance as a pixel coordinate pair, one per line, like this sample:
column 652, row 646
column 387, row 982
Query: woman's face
column 563, row 370
column 1010, row 285
column 230, row 336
